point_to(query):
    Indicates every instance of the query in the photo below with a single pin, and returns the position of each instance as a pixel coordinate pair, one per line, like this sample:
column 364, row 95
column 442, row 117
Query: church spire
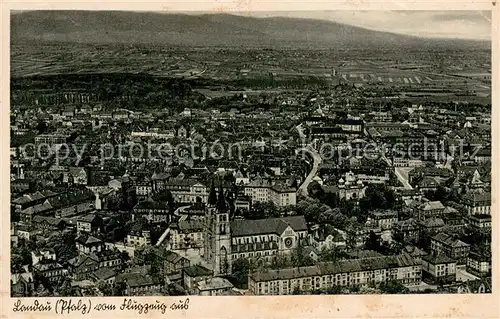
column 221, row 201
column 212, row 197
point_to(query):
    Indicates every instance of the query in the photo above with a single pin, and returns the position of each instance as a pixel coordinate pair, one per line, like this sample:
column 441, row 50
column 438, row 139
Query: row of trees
column 329, row 208
column 242, row 266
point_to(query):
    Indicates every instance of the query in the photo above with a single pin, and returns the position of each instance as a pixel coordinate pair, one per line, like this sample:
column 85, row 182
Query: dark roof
column 438, row 259
column 137, row 279
column 449, row 240
column 337, row 267
column 188, row 226
column 104, row 273
column 151, row 204
column 87, row 239
column 87, row 218
column 325, row 230
column 364, row 254
column 49, row 220
column 432, row 222
column 174, row 258
column 326, row 130
column 46, row 265
column 267, row 226
column 414, row 251
column 479, row 256
column 197, row 271
column 478, row 197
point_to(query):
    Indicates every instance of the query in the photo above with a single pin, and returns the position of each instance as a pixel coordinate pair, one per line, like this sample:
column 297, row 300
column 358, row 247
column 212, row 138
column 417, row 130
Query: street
column 402, row 175
column 317, row 160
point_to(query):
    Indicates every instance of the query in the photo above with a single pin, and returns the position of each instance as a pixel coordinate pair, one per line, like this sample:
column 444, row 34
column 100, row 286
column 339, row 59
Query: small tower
column 217, row 233
column 212, row 197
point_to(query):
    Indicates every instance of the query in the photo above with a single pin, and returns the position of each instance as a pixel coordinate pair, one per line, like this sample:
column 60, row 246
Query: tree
column 170, row 199
column 119, row 289
column 393, row 248
column 372, row 242
column 440, row 194
column 316, row 190
column 105, row 288
column 125, row 258
column 331, row 254
column 334, row 290
column 299, row 259
column 261, row 210
column 154, row 257
column 378, row 197
column 175, row 290
column 20, row 256
column 393, row 287
column 165, row 197
column 64, row 246
column 241, row 267
column 424, row 240
column 280, row 262
column 313, row 210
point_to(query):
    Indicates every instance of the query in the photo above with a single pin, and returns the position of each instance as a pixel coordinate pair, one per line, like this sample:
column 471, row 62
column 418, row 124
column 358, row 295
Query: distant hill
column 103, row 27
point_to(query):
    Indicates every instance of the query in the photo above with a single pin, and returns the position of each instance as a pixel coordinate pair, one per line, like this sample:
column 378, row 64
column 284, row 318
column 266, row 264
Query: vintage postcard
column 250, row 159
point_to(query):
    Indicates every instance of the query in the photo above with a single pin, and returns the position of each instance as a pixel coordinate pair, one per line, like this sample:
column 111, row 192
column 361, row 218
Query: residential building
column 86, row 243
column 478, row 203
column 447, row 245
column 153, row 211
column 187, row 234
column 385, row 219
column 194, row 274
column 481, row 222
column 478, row 264
column 104, row 275
column 430, row 209
column 89, row 223
column 50, row 269
column 22, row 284
column 51, row 139
column 408, row 230
column 185, row 190
column 343, row 273
column 281, row 195
column 139, row 236
column 438, row 268
column 175, row 263
column 326, row 236
column 45, row 254
column 139, row 284
column 213, row 286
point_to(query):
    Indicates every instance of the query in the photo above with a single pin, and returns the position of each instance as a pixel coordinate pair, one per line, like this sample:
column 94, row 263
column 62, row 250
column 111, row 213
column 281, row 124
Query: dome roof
column 350, row 177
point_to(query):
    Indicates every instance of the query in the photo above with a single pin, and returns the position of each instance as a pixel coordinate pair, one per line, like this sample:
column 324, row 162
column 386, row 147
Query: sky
column 440, row 24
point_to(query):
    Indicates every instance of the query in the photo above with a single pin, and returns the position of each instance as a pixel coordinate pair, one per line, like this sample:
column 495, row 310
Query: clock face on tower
column 288, row 242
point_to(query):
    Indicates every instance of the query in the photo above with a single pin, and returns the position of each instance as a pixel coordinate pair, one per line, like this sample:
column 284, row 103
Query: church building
column 226, row 241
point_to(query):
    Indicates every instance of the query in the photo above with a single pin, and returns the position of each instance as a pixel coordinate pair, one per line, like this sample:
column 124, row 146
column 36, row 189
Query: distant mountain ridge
column 104, row 27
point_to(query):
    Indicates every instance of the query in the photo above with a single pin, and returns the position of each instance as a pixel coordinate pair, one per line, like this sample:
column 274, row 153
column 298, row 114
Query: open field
column 246, row 66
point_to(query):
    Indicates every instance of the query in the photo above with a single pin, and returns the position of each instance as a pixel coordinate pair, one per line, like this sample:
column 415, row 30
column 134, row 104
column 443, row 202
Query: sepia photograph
column 255, row 153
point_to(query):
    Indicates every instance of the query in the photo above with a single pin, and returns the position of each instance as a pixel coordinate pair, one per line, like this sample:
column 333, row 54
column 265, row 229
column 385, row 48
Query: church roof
column 267, row 226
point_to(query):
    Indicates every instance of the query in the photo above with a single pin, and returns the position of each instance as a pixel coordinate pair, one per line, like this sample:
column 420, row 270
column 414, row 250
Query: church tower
column 217, row 248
